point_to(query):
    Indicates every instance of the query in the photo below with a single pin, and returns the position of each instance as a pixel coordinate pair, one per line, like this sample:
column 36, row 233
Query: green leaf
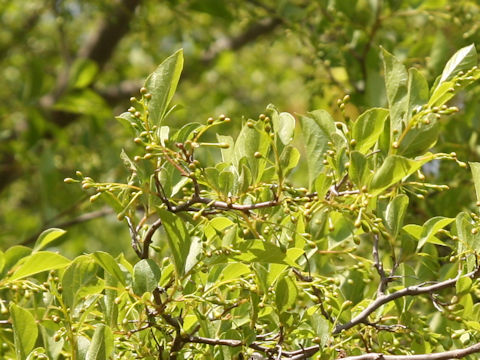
column 39, row 262
column 235, row 271
column 227, row 153
column 475, row 168
column 394, row 169
column 101, row 345
column 396, row 78
column 395, row 213
column 285, row 294
column 178, row 239
column 195, row 250
column 317, row 129
column 83, row 72
column 108, row 263
column 225, row 182
column 322, row 184
column 161, row 84
column 251, row 251
column 431, row 227
column 13, row 255
column 46, row 237
column 25, row 330
column 284, row 126
column 249, row 141
column 419, row 138
column 368, row 127
column 289, row 159
column 464, row 59
column 358, row 170
column 146, row 275
column 84, row 101
column 468, row 240
column 463, row 285
column 79, row 275
column 418, row 93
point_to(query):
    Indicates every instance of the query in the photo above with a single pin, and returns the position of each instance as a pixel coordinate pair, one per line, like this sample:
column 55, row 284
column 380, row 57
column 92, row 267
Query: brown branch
column 452, row 354
column 408, row 291
column 78, row 220
column 128, row 88
column 148, row 238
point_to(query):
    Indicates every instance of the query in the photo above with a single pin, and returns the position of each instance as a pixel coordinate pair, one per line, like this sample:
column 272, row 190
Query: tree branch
column 452, row 354
column 408, row 291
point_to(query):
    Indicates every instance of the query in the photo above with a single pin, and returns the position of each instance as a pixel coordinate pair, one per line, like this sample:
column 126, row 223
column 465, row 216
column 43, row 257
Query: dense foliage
column 247, row 261
column 228, row 231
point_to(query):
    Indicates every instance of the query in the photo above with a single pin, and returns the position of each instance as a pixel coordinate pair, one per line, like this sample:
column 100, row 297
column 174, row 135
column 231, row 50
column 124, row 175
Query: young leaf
column 431, row 227
column 284, row 126
column 317, row 129
column 396, row 79
column 101, row 345
column 46, row 237
column 178, row 239
column 235, row 271
column 161, row 84
column 25, row 330
column 39, row 262
column 368, row 127
column 464, row 59
column 146, row 275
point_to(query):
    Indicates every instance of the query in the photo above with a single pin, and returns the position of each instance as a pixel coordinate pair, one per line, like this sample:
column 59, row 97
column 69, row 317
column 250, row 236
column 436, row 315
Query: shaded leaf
column 146, row 275
column 101, row 345
column 285, row 293
column 395, row 213
column 108, row 263
column 178, row 239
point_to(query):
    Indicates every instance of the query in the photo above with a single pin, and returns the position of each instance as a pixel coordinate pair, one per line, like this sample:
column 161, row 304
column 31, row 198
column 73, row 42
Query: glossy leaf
column 161, row 84
column 464, row 59
column 39, row 262
column 368, row 127
column 46, row 237
column 431, row 227
column 25, row 330
column 284, row 126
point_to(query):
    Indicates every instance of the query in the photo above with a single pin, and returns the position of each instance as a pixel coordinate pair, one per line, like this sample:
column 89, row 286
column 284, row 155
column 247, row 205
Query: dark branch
column 409, row 291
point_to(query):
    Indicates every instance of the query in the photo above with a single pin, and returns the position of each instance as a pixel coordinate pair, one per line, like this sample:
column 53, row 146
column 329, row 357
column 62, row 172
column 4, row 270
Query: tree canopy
column 340, row 222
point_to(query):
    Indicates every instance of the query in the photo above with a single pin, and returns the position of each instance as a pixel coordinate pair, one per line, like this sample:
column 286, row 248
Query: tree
column 234, row 259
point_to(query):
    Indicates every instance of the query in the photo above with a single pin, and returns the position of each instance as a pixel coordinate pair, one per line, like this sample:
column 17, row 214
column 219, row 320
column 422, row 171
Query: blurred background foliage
column 67, row 67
